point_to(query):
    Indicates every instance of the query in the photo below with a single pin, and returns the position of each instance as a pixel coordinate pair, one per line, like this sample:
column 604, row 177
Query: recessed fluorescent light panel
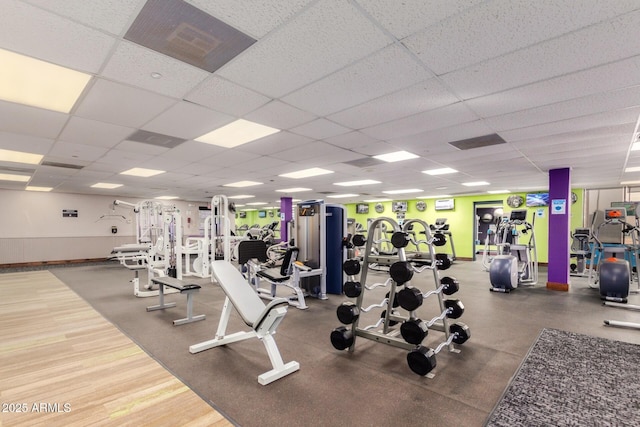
column 237, row 133
column 635, row 146
column 405, row 191
column 106, row 185
column 498, row 191
column 441, row 171
column 142, row 172
column 342, row 196
column 257, row 203
column 396, row 156
column 354, row 183
column 19, row 156
column 166, row 197
column 633, row 169
column 629, row 182
column 439, row 196
column 13, row 177
column 241, row 196
column 33, row 82
column 306, row 173
column 377, row 200
column 293, row 190
column 241, row 184
column 475, row 183
column 33, row 188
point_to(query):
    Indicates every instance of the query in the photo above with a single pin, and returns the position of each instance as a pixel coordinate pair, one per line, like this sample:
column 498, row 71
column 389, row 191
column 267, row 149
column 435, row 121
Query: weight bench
column 263, row 319
column 184, row 288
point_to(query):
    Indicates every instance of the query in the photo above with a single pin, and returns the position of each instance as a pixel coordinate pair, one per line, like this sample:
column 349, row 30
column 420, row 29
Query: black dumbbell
column 442, row 261
column 401, row 271
column 341, row 338
column 400, row 239
column 347, row 313
column 351, row 267
column 422, row 360
column 358, row 240
column 438, row 239
column 352, row 289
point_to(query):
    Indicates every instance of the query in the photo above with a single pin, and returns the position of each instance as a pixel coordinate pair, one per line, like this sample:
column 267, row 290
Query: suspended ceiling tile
column 323, row 38
column 139, row 147
column 109, row 15
column 407, row 17
column 226, row 97
column 133, row 64
column 604, row 78
column 279, row 115
column 121, row 105
column 351, row 140
column 502, row 26
column 610, row 118
column 367, row 79
column 429, row 120
column 27, row 143
column 592, row 46
column 21, row 118
column 424, row 96
column 275, row 143
column 320, row 129
column 105, row 167
column 90, row 132
column 584, row 106
column 193, row 151
column 168, row 164
column 77, row 151
column 256, row 165
column 436, row 141
column 125, row 159
column 254, row 18
column 317, row 151
column 574, row 137
column 230, row 157
column 187, row 120
column 90, row 177
column 38, row 33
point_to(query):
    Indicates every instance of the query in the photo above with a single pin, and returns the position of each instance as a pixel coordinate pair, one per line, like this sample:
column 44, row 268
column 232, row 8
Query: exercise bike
column 516, row 263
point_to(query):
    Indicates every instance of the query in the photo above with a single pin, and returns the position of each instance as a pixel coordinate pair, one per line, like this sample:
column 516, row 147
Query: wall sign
column 69, row 213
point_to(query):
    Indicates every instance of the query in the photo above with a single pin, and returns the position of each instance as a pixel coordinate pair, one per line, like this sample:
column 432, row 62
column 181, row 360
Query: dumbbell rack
column 344, row 337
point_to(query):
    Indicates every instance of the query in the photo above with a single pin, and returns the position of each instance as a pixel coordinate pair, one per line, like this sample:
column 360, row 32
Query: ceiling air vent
column 61, row 165
column 182, row 31
column 478, row 142
column 364, row 162
column 157, row 139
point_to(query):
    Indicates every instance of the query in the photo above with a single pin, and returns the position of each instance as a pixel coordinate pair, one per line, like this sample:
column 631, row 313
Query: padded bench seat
column 184, row 288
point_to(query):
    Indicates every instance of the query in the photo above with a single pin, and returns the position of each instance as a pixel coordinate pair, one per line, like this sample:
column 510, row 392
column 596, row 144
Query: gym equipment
column 201, row 248
column 319, row 232
column 184, row 288
column 251, row 255
column 262, row 319
column 610, row 266
column 422, row 360
column 622, row 324
column 158, row 245
column 580, row 251
column 401, row 269
column 442, row 235
column 516, row 264
column 411, row 298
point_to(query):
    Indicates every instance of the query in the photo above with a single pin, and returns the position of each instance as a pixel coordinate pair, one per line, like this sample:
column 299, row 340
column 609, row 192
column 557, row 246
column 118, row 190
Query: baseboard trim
column 57, row 262
column 555, row 286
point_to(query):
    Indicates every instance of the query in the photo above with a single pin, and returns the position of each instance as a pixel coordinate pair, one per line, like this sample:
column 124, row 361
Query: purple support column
column 285, row 208
column 559, row 228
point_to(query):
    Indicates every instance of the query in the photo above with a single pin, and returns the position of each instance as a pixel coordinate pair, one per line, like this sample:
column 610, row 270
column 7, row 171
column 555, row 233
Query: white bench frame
column 183, row 288
column 263, row 319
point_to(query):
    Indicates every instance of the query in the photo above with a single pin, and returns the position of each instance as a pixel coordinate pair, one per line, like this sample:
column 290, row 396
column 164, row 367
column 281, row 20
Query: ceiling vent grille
column 184, row 32
column 61, row 165
column 364, row 162
column 157, row 139
column 478, row 142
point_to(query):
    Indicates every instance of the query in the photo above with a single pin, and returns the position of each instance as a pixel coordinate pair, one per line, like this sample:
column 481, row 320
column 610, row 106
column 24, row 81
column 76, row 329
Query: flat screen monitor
column 262, row 214
column 518, row 215
column 399, row 206
column 537, row 199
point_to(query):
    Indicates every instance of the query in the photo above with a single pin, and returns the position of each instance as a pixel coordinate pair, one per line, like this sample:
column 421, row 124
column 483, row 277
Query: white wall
column 32, row 228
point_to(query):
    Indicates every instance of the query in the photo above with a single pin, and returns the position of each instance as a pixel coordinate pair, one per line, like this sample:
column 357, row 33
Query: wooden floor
column 63, row 364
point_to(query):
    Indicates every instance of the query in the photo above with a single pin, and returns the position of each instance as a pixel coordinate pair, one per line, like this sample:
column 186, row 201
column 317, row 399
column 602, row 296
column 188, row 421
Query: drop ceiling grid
column 609, row 118
column 325, row 37
column 612, row 76
column 280, row 115
column 426, row 95
column 109, row 15
column 92, row 132
column 28, row 143
column 275, row 143
column 320, row 128
column 351, row 140
column 121, row 105
column 139, row 147
column 187, row 120
column 226, row 96
column 124, row 159
column 592, row 46
column 499, row 27
column 77, row 152
column 428, row 120
column 384, row 72
column 133, row 64
column 407, row 17
column 52, row 38
column 575, row 108
column 20, row 119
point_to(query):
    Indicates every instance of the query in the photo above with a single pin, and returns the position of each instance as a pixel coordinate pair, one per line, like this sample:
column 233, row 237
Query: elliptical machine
column 516, row 263
column 613, row 275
